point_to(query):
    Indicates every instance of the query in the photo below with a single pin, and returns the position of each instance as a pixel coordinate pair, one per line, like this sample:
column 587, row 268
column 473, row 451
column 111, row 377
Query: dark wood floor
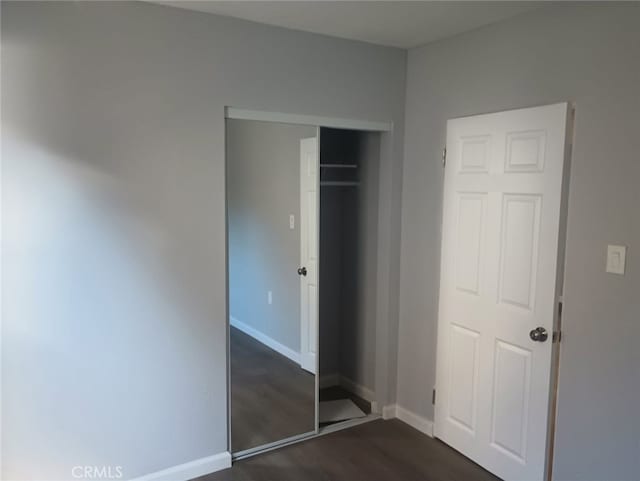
column 272, row 398
column 375, row 451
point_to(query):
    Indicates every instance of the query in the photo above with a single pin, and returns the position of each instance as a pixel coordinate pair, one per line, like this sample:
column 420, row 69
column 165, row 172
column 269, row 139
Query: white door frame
column 555, row 336
column 299, row 119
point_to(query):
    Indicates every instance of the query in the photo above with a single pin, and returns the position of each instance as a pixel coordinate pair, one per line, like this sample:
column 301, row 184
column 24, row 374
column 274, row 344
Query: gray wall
column 113, row 335
column 585, row 54
column 263, row 189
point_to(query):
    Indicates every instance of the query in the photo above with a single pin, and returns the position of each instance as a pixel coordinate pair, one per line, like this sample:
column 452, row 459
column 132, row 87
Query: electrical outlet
column 270, row 297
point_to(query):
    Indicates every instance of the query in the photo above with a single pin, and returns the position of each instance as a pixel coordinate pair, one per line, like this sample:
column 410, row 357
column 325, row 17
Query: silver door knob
column 539, row 334
column 302, row 271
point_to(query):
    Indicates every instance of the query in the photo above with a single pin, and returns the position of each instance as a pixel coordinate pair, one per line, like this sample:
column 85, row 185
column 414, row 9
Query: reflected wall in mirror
column 272, row 396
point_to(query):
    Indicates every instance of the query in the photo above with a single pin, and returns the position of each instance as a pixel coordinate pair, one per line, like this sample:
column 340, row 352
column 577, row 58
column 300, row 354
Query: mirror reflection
column 272, row 380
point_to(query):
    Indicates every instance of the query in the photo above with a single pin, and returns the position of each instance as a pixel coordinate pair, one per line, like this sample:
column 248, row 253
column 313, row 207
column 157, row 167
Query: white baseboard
column 357, row 389
column 420, row 423
column 336, row 379
column 191, row 470
column 266, row 340
column 389, row 412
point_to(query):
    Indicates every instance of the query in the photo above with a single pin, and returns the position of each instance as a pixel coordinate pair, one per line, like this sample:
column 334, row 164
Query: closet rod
column 339, row 166
column 339, row 184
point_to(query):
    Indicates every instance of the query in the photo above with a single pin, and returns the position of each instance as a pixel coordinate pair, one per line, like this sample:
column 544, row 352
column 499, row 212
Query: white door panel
column 309, row 160
column 501, row 221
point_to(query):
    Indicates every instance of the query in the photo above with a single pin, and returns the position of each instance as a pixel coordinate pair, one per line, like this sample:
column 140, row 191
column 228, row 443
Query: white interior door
column 501, row 221
column 308, row 271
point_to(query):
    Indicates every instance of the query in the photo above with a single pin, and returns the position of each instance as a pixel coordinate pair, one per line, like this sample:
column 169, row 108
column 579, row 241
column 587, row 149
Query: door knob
column 539, row 334
column 302, row 271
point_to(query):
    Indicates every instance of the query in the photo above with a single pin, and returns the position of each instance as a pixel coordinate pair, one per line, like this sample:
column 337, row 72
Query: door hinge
column 557, row 334
column 433, row 397
column 444, row 157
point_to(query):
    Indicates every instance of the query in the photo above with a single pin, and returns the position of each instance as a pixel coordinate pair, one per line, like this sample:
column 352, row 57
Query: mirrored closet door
column 273, row 293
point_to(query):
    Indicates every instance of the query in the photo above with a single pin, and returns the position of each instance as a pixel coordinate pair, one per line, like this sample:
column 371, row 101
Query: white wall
column 588, row 55
column 113, row 335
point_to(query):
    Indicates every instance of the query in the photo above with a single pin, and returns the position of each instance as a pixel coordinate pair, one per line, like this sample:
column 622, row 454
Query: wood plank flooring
column 375, row 451
column 272, row 398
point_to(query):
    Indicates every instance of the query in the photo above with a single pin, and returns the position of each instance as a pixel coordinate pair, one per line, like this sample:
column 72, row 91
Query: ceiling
column 393, row 23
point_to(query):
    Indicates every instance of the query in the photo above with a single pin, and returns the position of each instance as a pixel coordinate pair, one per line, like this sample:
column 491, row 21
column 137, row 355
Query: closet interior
column 349, row 163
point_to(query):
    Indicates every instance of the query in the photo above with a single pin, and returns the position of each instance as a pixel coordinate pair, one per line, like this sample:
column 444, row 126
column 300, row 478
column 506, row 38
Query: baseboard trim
column 336, row 379
column 266, row 340
column 357, row 389
column 389, row 412
column 420, row 423
column 328, row 380
column 192, row 469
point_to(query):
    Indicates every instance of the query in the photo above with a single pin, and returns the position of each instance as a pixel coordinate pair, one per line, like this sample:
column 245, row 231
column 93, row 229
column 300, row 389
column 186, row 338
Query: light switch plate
column 616, row 259
column 292, row 222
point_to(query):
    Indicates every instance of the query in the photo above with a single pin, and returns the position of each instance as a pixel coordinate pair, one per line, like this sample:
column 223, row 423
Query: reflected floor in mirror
column 272, row 398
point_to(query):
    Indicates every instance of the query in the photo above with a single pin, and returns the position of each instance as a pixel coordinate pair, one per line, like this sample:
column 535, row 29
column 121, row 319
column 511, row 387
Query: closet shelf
column 328, row 183
column 339, row 166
